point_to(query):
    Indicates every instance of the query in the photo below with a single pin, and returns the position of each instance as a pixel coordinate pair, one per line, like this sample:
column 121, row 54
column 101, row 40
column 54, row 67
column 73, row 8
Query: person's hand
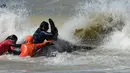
column 51, row 22
column 48, row 42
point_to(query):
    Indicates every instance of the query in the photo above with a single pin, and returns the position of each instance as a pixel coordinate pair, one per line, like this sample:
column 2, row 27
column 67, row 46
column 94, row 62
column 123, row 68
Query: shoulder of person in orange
column 29, row 48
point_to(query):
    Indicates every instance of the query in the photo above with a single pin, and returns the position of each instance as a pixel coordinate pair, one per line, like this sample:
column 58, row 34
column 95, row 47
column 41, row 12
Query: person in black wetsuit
column 60, row 45
column 42, row 34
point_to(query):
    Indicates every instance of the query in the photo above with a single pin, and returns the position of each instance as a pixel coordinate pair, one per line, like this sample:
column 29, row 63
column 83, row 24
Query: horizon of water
column 112, row 56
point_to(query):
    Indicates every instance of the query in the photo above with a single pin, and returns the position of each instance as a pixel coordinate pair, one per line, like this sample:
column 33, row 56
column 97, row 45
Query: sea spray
column 13, row 20
column 111, row 56
column 115, row 45
column 94, row 20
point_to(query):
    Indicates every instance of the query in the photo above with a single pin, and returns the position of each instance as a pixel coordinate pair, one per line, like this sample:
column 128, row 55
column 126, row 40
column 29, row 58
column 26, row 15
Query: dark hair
column 12, row 37
column 44, row 25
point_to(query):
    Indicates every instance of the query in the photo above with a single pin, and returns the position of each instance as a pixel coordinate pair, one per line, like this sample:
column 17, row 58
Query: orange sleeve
column 38, row 46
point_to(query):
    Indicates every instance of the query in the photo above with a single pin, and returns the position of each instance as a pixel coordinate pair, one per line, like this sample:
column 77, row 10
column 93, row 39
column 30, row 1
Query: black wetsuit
column 40, row 35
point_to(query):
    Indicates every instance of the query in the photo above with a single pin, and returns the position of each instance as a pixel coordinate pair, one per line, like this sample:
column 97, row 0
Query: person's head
column 44, row 26
column 29, row 39
column 12, row 37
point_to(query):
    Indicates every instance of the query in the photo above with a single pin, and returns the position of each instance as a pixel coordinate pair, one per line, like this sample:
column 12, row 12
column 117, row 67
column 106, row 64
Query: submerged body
column 61, row 46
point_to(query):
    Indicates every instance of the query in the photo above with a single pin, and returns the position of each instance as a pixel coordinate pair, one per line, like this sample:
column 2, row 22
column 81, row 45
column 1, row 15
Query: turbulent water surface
column 22, row 17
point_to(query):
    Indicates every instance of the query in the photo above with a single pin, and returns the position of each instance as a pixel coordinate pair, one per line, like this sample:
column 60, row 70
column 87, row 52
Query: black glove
column 54, row 30
column 51, row 23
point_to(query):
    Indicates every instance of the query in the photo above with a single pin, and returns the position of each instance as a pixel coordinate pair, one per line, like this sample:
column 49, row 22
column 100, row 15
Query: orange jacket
column 29, row 48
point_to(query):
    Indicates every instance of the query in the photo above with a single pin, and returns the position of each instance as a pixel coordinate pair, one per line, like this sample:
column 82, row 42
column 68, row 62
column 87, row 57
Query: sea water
column 23, row 18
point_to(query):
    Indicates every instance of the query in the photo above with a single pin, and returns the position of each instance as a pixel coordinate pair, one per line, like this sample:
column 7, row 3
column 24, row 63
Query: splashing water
column 112, row 54
column 114, row 50
column 13, row 20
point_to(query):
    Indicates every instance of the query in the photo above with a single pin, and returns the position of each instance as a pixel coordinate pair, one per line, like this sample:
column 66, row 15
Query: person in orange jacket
column 29, row 48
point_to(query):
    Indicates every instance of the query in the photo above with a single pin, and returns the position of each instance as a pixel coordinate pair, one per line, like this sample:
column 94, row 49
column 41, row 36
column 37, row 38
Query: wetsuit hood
column 29, row 39
column 12, row 37
column 44, row 25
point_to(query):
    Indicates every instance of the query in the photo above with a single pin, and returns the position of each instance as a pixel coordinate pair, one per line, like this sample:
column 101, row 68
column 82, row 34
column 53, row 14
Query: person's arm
column 40, row 45
column 12, row 46
column 13, row 49
column 16, row 45
column 54, row 30
column 46, row 35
